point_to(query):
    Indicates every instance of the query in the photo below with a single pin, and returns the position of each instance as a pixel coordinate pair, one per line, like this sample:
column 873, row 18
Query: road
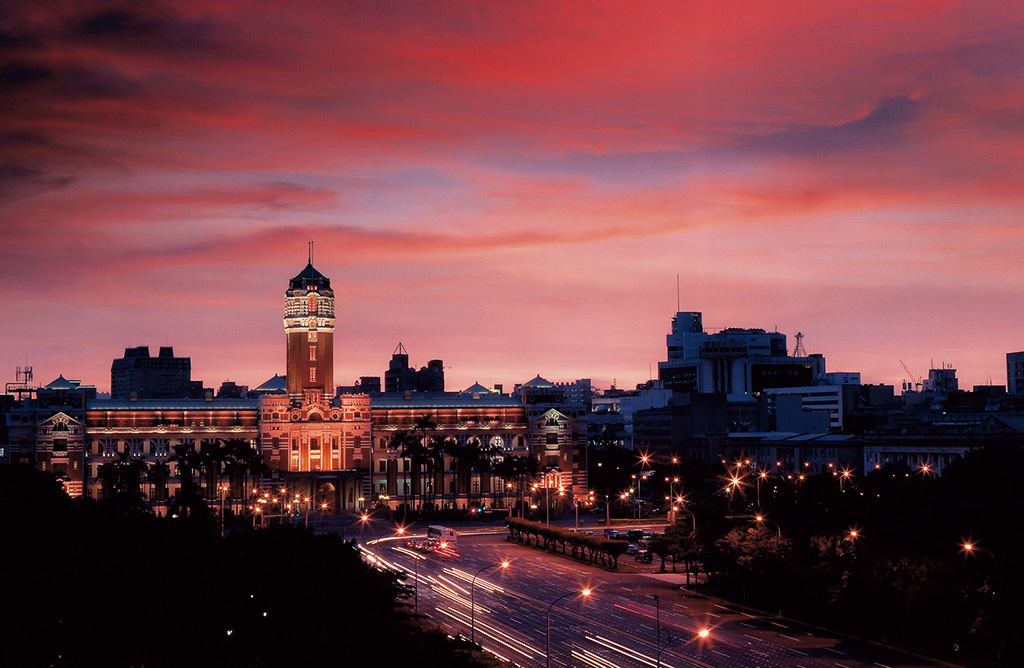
column 617, row 624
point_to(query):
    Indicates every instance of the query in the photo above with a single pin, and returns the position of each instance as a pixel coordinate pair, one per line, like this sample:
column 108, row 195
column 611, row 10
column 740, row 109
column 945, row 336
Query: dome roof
column 310, row 276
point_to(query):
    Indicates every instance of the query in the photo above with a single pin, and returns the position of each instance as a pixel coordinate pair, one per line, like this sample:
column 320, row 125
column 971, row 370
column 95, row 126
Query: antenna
column 311, row 251
column 799, row 351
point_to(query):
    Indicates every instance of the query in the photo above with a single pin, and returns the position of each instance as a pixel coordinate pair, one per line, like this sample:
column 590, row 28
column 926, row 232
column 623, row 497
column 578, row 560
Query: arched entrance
column 326, row 498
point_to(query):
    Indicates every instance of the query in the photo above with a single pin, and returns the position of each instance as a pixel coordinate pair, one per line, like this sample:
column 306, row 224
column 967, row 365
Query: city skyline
column 511, row 189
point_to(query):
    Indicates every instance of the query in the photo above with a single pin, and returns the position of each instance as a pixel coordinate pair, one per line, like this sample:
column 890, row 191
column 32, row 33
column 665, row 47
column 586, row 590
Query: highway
column 616, row 625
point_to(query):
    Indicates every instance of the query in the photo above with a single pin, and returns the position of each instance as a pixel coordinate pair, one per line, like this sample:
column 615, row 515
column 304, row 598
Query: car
column 632, row 549
column 644, row 556
column 412, row 543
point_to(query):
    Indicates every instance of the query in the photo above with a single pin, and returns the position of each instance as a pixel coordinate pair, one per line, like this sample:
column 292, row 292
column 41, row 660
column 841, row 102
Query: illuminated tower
column 309, row 326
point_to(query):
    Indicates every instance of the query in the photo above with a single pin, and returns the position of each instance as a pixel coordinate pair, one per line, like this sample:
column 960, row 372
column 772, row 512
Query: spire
column 311, row 251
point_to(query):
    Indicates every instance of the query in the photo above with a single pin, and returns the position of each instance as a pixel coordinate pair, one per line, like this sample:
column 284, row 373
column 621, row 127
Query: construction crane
column 915, row 380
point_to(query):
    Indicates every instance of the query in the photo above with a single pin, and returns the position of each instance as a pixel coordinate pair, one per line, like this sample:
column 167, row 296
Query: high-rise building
column 732, row 361
column 309, row 326
column 1015, row 374
column 139, row 376
column 400, row 377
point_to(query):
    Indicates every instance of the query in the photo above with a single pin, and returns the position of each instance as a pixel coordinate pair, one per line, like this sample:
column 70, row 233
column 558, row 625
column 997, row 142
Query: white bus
column 444, row 536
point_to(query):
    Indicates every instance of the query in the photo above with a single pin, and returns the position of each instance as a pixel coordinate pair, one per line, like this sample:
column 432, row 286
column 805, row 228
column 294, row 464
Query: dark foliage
column 88, row 584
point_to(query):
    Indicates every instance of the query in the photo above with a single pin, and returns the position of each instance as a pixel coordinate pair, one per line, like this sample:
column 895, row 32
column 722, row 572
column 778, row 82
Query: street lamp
column 472, row 599
column 970, row 547
column 762, row 518
column 223, row 488
column 843, row 475
column 762, row 475
column 547, row 645
column 661, row 650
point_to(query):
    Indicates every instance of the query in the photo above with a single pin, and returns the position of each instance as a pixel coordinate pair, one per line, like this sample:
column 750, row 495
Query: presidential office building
column 315, row 444
column 343, row 452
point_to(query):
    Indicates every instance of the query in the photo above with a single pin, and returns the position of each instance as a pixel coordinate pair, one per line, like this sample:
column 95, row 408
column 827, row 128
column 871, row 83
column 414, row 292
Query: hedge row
column 582, row 546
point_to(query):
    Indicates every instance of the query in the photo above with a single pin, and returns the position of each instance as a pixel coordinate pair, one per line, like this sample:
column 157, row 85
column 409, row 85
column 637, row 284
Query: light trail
column 494, row 634
column 589, row 657
column 625, row 651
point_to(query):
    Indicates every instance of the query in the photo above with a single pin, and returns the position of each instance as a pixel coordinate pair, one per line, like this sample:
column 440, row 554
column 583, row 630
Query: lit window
column 312, row 336
column 312, row 353
column 312, row 304
column 312, row 374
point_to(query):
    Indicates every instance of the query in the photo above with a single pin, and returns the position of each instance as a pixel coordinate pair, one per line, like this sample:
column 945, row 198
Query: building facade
column 294, row 438
column 1015, row 374
column 162, row 377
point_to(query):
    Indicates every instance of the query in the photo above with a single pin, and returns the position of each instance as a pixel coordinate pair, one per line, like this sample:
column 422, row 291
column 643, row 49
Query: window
column 383, row 466
column 295, row 445
column 311, row 336
column 314, row 444
column 312, row 374
column 312, row 353
column 552, row 439
column 312, row 304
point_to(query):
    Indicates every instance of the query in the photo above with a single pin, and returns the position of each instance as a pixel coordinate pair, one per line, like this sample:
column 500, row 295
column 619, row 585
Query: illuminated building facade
column 156, row 433
column 46, row 431
column 309, row 327
column 557, row 430
column 336, row 452
column 468, row 425
column 315, row 444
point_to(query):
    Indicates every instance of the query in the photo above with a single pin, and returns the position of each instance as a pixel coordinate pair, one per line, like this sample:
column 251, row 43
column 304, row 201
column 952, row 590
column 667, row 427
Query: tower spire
column 311, row 251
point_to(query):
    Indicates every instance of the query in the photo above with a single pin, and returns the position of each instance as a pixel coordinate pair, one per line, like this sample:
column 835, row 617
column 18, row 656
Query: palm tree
column 401, row 441
column 240, row 459
column 122, row 477
column 425, row 426
column 216, row 455
column 460, row 454
column 439, row 448
column 158, row 474
column 186, row 500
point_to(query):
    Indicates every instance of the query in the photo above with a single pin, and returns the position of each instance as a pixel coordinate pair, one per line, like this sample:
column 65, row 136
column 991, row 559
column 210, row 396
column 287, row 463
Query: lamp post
column 223, row 488
column 762, row 475
column 547, row 644
column 762, row 518
column 657, row 608
column 971, row 547
column 844, row 475
column 661, row 650
column 472, row 598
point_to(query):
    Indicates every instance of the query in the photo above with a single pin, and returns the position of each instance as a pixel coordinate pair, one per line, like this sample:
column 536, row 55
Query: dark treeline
column 883, row 558
column 107, row 584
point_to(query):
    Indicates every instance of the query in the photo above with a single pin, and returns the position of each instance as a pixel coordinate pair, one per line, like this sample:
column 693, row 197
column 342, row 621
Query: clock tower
column 309, row 326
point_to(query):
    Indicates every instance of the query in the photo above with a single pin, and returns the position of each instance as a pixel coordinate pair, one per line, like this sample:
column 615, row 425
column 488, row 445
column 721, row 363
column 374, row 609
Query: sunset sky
column 511, row 187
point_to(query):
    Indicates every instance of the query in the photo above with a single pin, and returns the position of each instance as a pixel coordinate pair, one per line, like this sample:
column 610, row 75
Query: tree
column 753, row 550
column 187, row 502
column 405, row 444
column 122, row 477
column 425, row 462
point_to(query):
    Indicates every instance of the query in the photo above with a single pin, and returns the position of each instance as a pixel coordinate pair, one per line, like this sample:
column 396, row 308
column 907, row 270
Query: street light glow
column 704, row 633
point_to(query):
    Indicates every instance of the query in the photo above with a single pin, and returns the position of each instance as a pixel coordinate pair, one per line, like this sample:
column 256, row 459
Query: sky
column 512, row 187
